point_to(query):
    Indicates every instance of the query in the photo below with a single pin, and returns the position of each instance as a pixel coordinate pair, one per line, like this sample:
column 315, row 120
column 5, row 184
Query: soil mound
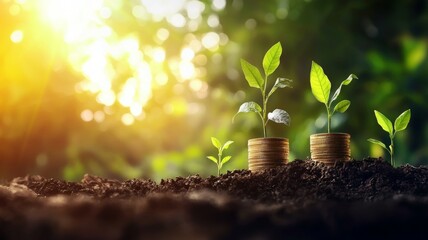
column 301, row 200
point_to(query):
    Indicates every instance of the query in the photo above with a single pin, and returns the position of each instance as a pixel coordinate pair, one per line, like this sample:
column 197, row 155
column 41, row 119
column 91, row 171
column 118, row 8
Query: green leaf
column 342, row 106
column 227, row 144
column 384, row 122
column 349, row 79
column 212, row 159
column 279, row 116
column 320, row 84
column 225, row 160
column 280, row 83
column 344, row 82
column 216, row 142
column 402, row 121
column 248, row 107
column 252, row 75
column 378, row 143
column 271, row 59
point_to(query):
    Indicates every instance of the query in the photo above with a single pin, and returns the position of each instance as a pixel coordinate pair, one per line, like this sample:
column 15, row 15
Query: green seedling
column 220, row 161
column 254, row 78
column 399, row 125
column 321, row 87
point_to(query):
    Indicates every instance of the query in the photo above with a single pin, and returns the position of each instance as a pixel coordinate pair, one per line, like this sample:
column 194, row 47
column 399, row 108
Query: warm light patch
column 218, row 4
column 161, row 79
column 17, row 36
column 211, row 40
column 14, row 10
column 162, row 34
column 160, row 9
column 128, row 119
column 187, row 54
column 177, row 20
column 187, row 70
column 159, row 54
column 99, row 116
column 87, row 115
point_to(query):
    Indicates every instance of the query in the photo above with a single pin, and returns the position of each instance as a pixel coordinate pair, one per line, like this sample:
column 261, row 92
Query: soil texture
column 365, row 199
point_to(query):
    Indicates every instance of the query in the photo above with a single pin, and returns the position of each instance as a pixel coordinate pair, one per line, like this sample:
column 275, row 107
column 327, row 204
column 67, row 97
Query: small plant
column 254, row 78
column 220, row 161
column 399, row 125
column 321, row 86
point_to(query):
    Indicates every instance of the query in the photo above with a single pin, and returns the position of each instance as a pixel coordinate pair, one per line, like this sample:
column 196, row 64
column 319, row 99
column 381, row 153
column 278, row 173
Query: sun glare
column 95, row 50
column 90, row 40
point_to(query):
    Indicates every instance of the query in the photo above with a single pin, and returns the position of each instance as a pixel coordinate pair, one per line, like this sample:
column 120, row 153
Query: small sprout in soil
column 220, row 161
column 399, row 125
column 254, row 78
column 321, row 86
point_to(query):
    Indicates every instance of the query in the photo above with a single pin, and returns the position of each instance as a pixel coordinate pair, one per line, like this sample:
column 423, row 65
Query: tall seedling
column 399, row 125
column 254, row 78
column 321, row 87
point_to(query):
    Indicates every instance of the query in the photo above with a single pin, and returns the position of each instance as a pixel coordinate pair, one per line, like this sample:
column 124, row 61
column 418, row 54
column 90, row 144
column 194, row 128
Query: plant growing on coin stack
column 266, row 152
column 329, row 147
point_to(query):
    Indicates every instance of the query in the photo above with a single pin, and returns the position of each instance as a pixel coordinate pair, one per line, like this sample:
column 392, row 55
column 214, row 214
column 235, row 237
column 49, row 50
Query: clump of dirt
column 301, row 200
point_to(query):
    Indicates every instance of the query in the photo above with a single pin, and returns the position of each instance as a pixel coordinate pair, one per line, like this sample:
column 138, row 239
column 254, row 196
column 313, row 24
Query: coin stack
column 265, row 153
column 330, row 147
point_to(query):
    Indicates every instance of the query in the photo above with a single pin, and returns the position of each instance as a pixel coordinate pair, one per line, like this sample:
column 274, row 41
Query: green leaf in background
column 212, row 159
column 320, row 84
column 271, row 59
column 384, row 122
column 280, row 83
column 225, row 160
column 344, row 82
column 342, row 106
column 216, row 142
column 402, row 121
column 227, row 144
column 378, row 143
column 279, row 116
column 248, row 107
column 252, row 75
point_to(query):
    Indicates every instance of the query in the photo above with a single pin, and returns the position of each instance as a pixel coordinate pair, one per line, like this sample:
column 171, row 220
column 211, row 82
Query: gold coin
column 268, row 139
column 266, row 161
column 277, row 161
column 263, row 166
column 267, row 147
column 260, row 168
column 268, row 155
column 268, row 143
column 330, row 153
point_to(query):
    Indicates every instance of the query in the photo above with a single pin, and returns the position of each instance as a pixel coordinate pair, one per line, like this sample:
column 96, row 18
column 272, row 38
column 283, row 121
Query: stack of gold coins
column 330, row 147
column 265, row 153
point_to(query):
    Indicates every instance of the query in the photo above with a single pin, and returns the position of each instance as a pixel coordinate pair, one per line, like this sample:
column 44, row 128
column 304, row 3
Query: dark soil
column 302, row 200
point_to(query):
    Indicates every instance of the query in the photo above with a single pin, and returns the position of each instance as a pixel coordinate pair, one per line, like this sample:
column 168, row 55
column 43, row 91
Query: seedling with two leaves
column 254, row 78
column 400, row 124
column 321, row 87
column 220, row 161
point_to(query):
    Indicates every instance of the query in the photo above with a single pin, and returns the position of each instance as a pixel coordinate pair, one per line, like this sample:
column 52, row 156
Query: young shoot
column 220, row 160
column 399, row 125
column 321, row 86
column 254, row 78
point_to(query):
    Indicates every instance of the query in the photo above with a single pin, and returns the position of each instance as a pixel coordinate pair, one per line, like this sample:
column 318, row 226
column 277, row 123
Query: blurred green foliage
column 383, row 42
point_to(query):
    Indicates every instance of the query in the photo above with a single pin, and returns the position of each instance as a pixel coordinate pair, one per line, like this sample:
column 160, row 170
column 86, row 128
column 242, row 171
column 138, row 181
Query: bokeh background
column 136, row 88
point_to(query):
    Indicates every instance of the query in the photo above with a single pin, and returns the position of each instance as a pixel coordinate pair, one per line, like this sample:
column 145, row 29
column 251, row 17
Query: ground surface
column 302, row 200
